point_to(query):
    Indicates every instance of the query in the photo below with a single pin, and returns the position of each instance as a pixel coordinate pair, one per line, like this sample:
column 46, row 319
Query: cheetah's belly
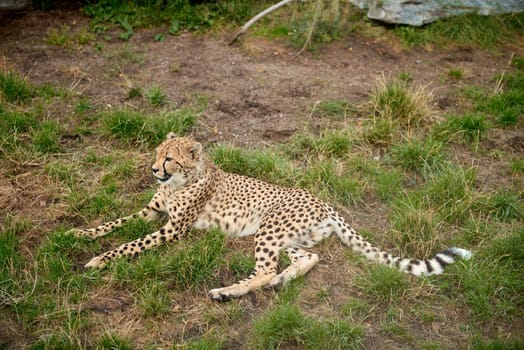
column 234, row 226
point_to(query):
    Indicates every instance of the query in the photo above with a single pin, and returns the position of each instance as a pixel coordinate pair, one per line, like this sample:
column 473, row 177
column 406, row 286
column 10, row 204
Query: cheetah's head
column 179, row 160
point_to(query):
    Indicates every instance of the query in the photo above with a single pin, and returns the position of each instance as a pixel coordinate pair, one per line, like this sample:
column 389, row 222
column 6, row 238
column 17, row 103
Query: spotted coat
column 194, row 193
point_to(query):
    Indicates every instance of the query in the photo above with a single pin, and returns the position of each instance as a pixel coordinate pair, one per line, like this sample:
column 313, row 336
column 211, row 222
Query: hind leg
column 266, row 260
column 301, row 262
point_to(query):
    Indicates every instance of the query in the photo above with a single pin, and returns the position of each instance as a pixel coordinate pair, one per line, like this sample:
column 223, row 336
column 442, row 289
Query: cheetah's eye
column 168, row 159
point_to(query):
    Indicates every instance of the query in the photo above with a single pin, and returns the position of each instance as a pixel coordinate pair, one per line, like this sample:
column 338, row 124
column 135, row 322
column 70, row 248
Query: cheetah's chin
column 163, row 180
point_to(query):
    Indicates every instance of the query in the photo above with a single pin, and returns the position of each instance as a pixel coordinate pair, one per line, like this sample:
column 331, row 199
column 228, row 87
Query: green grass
column 397, row 109
column 67, row 161
column 135, row 127
column 417, row 156
column 455, row 73
column 153, row 299
column 287, row 326
column 492, row 283
column 13, row 88
column 177, row 14
column 186, row 268
column 46, row 138
column 111, row 341
column 156, row 96
column 417, row 227
column 383, row 284
column 266, row 165
column 471, row 30
column 505, row 205
column 336, row 109
column 467, row 128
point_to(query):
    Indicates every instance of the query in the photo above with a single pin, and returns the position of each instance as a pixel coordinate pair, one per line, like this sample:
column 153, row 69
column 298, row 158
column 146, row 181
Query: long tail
column 433, row 266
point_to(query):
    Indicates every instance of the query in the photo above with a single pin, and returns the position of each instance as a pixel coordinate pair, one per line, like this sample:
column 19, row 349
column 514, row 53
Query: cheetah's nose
column 155, row 170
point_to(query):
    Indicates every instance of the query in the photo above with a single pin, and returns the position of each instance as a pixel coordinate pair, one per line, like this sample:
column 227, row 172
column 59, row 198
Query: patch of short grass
column 504, row 205
column 241, row 265
column 331, row 143
column 417, row 228
column 451, row 191
column 12, row 262
column 262, row 164
column 46, row 138
column 336, row 109
column 135, row 127
column 190, row 263
column 286, row 326
column 156, row 96
column 397, row 110
column 324, row 179
column 383, row 284
column 111, row 341
column 153, row 299
column 388, row 184
column 468, row 128
column 418, row 155
column 492, row 281
column 472, row 29
column 14, row 88
column 455, row 73
column 60, row 37
column 497, row 344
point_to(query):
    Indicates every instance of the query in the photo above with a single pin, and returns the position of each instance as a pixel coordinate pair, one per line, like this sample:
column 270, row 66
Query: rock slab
column 420, row 12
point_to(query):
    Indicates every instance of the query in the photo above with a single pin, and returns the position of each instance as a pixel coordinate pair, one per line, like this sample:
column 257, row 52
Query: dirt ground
column 259, row 93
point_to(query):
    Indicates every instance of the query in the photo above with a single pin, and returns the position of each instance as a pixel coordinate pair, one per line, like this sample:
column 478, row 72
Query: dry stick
column 498, row 85
column 252, row 21
column 318, row 10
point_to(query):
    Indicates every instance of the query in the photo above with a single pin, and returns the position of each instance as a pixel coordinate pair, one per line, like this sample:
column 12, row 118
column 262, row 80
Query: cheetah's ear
column 171, row 135
column 196, row 150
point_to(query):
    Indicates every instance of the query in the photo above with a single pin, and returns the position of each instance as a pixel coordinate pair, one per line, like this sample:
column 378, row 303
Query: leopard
column 194, row 193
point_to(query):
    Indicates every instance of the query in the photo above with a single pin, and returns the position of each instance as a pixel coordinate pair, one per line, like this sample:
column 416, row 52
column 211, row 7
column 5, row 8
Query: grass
column 468, row 128
column 286, row 325
column 397, row 110
column 14, row 89
column 389, row 164
column 383, row 284
column 134, row 127
column 156, row 96
column 471, row 30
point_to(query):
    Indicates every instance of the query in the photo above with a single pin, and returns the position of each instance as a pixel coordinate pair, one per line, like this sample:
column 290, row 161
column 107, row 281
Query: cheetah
column 194, row 193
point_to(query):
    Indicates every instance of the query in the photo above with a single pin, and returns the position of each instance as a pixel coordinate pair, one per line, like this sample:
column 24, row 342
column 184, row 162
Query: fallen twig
column 252, row 21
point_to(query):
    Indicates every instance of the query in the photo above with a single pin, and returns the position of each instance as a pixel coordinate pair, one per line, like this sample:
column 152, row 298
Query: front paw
column 219, row 294
column 98, row 262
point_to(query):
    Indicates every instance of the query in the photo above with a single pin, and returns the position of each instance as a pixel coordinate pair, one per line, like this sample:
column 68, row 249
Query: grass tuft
column 473, row 30
column 14, row 88
column 156, row 96
column 397, row 109
column 417, row 228
column 46, row 138
column 418, row 156
column 383, row 283
column 134, row 127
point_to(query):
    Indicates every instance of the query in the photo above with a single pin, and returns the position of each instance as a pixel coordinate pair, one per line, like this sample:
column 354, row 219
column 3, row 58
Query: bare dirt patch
column 259, row 93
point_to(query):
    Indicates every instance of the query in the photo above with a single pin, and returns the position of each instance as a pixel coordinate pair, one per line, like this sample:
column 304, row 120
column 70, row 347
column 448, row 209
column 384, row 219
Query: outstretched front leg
column 154, row 210
column 168, row 233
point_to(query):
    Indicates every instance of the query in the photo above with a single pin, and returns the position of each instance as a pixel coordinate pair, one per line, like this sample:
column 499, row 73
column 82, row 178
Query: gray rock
column 420, row 12
column 14, row 4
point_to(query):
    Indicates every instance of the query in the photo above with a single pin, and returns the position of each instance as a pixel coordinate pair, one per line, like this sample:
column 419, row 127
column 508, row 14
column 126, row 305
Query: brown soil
column 258, row 93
